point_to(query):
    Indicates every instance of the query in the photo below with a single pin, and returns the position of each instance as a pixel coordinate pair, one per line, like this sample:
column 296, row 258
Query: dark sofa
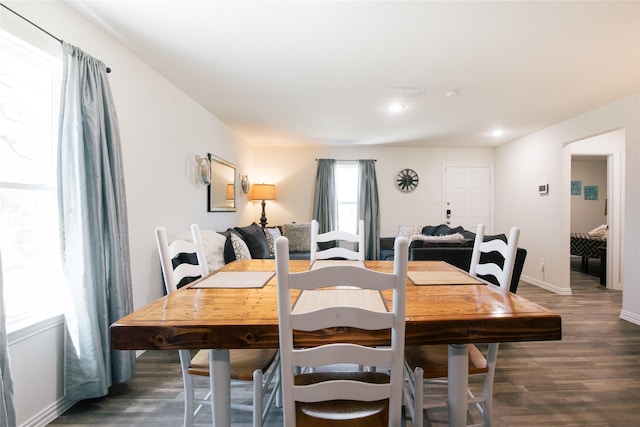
column 259, row 241
column 457, row 253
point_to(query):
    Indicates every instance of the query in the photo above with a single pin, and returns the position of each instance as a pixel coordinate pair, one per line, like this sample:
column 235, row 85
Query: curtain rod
column 38, row 27
column 350, row 160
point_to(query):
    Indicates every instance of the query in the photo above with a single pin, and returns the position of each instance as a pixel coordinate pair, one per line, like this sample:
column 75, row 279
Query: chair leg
column 418, row 397
column 487, row 389
column 257, row 398
column 187, row 382
column 278, row 385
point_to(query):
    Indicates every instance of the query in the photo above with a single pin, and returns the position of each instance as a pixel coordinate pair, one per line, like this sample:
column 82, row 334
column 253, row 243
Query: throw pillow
column 457, row 237
column 229, row 255
column 272, row 233
column 240, row 248
column 299, row 236
column 408, row 231
column 440, row 230
column 255, row 239
column 213, row 244
column 599, row 231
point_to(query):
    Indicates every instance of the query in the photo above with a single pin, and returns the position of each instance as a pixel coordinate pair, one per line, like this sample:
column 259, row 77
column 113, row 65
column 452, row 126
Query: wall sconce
column 263, row 192
column 204, row 170
column 244, row 183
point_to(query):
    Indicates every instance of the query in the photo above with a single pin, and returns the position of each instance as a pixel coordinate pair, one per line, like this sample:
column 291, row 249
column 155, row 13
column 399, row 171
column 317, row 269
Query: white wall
column 610, row 144
column 162, row 130
column 37, row 369
column 588, row 214
column 293, row 170
column 539, row 158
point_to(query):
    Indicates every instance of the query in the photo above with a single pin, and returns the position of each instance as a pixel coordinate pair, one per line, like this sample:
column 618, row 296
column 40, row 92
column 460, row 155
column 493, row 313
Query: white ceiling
column 315, row 72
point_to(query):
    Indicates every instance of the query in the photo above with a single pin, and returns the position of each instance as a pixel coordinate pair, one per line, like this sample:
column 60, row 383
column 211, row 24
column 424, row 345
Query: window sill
column 22, row 329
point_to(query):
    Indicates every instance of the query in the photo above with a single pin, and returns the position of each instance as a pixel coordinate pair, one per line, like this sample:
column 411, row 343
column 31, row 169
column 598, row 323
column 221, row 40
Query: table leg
column 458, row 384
column 220, row 383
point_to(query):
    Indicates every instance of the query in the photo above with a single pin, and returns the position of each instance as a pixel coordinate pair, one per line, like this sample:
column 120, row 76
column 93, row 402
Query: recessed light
column 497, row 132
column 452, row 94
column 395, row 107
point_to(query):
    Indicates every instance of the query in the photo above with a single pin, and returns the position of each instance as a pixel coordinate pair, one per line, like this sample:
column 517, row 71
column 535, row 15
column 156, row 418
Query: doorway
column 589, row 198
column 608, row 147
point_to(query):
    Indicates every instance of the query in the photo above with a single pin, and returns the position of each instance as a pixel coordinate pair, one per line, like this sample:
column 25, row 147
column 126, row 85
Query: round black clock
column 407, row 180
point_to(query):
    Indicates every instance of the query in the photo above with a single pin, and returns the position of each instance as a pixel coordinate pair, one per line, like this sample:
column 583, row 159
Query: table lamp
column 263, row 192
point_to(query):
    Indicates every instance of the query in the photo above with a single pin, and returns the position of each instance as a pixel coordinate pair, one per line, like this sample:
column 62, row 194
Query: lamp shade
column 263, row 192
column 230, row 192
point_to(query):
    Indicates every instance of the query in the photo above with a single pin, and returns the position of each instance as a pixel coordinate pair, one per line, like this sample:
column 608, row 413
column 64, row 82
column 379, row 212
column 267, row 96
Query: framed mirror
column 222, row 188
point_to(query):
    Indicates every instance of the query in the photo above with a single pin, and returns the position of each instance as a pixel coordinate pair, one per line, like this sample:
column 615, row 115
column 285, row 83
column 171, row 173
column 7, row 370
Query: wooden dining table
column 444, row 306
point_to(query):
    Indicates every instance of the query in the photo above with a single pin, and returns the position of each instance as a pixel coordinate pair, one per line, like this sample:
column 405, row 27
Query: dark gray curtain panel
column 369, row 207
column 324, row 199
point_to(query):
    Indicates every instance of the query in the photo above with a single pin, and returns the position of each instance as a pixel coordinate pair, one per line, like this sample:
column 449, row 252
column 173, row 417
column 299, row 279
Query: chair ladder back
column 182, row 261
column 337, row 316
column 506, row 250
column 348, row 353
column 338, row 236
column 341, row 275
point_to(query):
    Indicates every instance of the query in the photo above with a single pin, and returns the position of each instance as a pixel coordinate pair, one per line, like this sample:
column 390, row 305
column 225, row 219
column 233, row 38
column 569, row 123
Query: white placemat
column 442, row 278
column 235, row 279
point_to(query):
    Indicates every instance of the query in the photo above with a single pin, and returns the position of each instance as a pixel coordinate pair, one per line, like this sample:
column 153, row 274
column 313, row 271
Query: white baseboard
column 630, row 317
column 49, row 414
column 55, row 410
column 544, row 285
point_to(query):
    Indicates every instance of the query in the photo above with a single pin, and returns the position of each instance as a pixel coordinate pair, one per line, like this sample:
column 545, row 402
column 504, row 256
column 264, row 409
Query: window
column 347, row 196
column 29, row 240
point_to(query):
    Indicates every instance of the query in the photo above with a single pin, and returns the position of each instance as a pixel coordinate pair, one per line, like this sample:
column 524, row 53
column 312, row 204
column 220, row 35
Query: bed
column 586, row 246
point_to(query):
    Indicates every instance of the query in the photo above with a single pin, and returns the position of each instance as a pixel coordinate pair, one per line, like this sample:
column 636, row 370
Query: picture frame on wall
column 591, row 192
column 576, row 188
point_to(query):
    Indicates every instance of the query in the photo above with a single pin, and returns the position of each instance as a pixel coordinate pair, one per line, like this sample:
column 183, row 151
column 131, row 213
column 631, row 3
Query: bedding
column 588, row 245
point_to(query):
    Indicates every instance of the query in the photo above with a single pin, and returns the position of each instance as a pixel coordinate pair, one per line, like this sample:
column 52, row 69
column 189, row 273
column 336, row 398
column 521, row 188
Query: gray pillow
column 408, row 231
column 299, row 236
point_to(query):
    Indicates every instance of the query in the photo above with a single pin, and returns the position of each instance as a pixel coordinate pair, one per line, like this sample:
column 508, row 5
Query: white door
column 467, row 196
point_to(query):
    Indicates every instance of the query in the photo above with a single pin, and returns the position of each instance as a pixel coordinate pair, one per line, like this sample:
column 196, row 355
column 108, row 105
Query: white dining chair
column 331, row 396
column 427, row 365
column 327, row 238
column 184, row 262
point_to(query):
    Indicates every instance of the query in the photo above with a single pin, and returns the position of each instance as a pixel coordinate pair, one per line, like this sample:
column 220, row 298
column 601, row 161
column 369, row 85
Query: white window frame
column 40, row 290
column 347, row 195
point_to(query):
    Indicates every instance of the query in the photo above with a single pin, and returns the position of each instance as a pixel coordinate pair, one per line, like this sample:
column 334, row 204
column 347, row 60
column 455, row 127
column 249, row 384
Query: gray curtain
column 93, row 222
column 369, row 207
column 7, row 410
column 324, row 200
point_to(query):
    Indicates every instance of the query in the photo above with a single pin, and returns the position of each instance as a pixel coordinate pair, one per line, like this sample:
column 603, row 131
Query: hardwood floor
column 590, row 378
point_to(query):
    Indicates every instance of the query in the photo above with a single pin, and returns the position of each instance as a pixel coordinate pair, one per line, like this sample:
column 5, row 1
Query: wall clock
column 407, row 180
